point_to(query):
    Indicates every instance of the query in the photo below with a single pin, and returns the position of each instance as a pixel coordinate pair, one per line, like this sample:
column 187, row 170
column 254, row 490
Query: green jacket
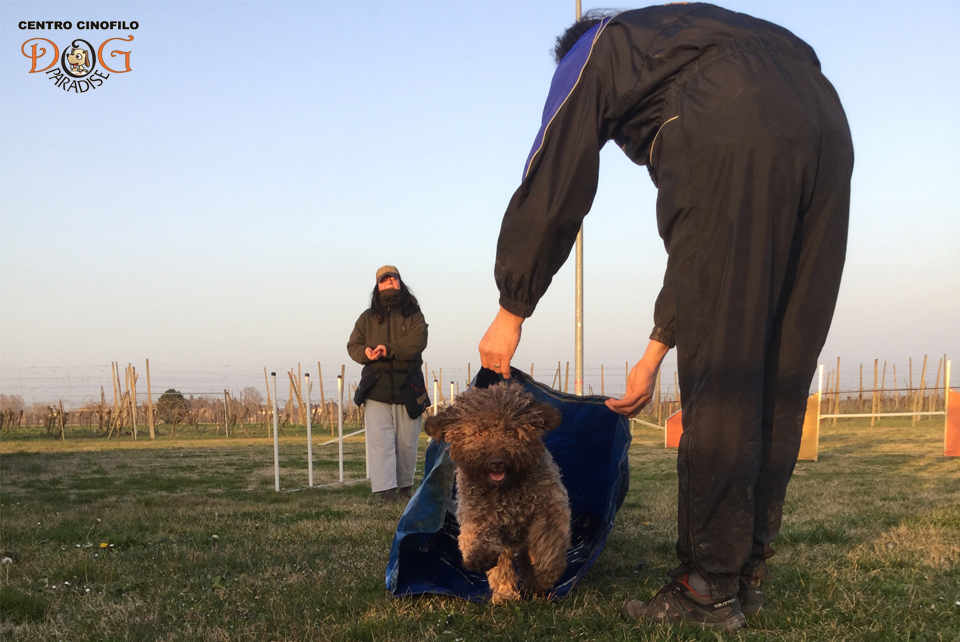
column 405, row 339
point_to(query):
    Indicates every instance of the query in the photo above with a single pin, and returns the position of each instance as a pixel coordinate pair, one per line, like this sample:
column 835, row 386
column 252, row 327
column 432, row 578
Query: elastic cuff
column 664, row 336
column 721, row 586
column 517, row 308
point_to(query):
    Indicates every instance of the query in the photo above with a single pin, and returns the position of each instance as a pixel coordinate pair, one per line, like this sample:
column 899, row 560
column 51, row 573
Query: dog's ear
column 550, row 416
column 437, row 425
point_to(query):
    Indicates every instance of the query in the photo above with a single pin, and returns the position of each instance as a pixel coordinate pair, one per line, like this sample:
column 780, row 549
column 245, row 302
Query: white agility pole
column 340, row 422
column 276, row 439
column 436, row 396
column 451, row 392
column 309, row 435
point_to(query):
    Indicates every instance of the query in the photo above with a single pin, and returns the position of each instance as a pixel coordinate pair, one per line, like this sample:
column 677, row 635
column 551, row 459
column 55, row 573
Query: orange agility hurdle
column 671, row 436
column 951, row 430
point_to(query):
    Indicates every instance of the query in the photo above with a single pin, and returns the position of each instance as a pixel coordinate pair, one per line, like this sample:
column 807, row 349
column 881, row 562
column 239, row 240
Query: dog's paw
column 500, row 597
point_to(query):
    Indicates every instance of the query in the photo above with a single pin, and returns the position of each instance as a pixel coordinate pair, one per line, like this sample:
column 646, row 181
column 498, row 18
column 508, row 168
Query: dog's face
column 494, row 433
column 77, row 57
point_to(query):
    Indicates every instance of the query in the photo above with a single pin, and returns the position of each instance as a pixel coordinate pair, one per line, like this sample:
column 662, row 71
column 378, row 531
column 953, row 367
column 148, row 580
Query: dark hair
column 574, row 32
column 408, row 303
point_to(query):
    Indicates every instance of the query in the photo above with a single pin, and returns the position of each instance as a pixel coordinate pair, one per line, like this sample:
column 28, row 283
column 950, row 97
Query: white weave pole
column 309, row 435
column 451, row 392
column 340, row 422
column 436, row 396
column 276, row 439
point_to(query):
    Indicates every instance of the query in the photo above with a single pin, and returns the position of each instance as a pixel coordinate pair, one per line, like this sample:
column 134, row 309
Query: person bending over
column 751, row 153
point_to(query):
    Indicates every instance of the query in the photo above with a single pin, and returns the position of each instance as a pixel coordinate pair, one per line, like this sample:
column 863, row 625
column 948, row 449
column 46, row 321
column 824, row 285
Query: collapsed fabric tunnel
column 590, row 448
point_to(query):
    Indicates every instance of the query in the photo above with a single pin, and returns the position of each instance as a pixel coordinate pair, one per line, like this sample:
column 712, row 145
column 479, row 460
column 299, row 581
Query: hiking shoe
column 405, row 492
column 677, row 603
column 750, row 595
column 382, row 497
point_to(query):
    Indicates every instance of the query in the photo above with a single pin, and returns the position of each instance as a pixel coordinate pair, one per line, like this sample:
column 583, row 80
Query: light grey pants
column 391, row 444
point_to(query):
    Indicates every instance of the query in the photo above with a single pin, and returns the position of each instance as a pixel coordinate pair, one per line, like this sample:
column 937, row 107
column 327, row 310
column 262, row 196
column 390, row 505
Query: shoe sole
column 731, row 624
column 751, row 610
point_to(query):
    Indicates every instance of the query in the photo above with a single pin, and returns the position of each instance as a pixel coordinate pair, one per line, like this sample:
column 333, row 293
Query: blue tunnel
column 590, row 448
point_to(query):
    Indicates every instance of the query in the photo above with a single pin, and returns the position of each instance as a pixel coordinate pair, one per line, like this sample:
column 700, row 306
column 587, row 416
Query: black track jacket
column 620, row 81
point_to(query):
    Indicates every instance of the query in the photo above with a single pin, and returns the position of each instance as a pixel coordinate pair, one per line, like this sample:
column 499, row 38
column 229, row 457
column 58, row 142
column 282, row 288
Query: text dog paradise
column 77, row 71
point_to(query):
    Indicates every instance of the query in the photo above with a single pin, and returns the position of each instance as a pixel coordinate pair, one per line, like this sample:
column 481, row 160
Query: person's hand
column 500, row 342
column 640, row 382
column 375, row 353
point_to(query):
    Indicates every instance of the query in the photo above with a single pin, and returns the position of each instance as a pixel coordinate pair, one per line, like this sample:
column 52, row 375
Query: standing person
column 750, row 149
column 389, row 339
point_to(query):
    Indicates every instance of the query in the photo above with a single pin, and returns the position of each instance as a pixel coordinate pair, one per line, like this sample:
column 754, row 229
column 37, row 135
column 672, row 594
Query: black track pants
column 754, row 188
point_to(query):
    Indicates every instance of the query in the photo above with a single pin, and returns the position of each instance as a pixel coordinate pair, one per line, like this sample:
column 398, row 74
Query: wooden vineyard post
column 566, row 380
column 913, row 421
column 149, row 402
column 323, row 401
column 883, row 387
column 936, row 389
column 269, row 400
column 288, row 411
column 226, row 413
column 295, row 387
column 836, row 396
column 115, row 375
column 340, row 383
column 860, row 394
column 132, row 389
column 63, row 436
column 918, row 406
column 896, row 391
column 873, row 400
column 829, row 401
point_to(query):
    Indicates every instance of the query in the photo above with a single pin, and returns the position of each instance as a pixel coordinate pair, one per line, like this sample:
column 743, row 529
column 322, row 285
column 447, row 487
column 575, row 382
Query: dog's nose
column 497, row 465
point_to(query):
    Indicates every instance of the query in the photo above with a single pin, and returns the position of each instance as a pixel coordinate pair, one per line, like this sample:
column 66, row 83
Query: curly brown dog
column 513, row 510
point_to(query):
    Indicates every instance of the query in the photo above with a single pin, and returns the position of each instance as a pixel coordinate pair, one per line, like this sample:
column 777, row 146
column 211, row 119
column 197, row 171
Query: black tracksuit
column 750, row 149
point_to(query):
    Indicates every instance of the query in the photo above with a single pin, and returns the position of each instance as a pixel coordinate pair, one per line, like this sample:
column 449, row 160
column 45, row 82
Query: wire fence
column 230, row 395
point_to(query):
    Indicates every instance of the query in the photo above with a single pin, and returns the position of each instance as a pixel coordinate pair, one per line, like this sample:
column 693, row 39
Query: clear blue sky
column 227, row 202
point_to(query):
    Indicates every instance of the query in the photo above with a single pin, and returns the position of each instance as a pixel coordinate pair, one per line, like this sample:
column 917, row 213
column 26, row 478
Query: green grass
column 185, row 539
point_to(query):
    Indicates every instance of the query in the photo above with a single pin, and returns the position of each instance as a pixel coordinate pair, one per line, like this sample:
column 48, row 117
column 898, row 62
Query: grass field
column 186, row 540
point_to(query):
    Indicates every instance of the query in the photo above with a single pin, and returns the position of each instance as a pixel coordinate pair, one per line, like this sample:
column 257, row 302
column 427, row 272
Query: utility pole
column 578, row 351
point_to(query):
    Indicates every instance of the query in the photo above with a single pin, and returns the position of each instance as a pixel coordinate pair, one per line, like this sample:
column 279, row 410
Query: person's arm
column 641, row 381
column 357, row 345
column 407, row 347
column 591, row 91
column 664, row 316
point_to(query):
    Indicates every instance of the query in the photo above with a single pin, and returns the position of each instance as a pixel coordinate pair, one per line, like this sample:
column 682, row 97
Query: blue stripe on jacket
column 563, row 83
